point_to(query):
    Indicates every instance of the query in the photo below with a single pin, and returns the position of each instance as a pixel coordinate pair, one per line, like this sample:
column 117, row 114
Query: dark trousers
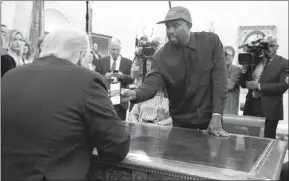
column 253, row 108
column 270, row 128
column 284, row 172
column 121, row 112
column 192, row 126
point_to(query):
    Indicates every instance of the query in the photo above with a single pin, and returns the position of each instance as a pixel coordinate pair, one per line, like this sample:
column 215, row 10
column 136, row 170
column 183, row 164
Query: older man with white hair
column 265, row 95
column 115, row 65
column 55, row 111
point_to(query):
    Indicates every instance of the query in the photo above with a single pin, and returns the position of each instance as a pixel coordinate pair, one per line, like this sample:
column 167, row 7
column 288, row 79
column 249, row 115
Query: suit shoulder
column 126, row 59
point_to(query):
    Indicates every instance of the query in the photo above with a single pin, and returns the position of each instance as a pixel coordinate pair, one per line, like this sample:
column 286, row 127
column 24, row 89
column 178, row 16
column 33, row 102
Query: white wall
column 125, row 18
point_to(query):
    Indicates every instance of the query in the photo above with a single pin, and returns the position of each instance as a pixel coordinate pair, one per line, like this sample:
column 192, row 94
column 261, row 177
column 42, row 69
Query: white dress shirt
column 117, row 62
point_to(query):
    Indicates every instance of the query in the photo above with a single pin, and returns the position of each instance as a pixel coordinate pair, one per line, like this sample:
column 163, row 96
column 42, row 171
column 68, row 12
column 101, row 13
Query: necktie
column 113, row 67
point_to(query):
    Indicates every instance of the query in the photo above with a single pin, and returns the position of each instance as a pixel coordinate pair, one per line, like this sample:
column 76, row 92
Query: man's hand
column 286, row 80
column 252, row 85
column 128, row 95
column 118, row 75
column 216, row 127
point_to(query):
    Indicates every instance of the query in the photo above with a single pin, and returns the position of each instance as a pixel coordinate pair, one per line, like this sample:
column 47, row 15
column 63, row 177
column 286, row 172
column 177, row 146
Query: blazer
column 53, row 114
column 103, row 66
column 273, row 86
column 232, row 99
column 7, row 62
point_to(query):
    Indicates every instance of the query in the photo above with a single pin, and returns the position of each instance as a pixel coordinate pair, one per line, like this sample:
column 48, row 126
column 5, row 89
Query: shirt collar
column 117, row 59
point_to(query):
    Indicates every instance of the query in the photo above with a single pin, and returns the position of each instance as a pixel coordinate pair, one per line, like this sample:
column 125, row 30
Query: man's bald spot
column 271, row 39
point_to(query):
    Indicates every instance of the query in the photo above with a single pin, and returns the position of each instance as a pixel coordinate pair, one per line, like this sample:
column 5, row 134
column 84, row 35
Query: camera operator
column 265, row 96
column 144, row 50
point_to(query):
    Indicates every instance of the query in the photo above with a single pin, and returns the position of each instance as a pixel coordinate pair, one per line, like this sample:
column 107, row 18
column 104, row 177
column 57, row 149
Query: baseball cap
column 176, row 13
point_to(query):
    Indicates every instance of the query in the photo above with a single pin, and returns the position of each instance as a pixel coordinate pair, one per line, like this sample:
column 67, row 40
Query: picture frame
column 102, row 41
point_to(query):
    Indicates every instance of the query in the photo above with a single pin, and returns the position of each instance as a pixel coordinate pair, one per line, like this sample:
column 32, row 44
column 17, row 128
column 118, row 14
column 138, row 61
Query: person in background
column 155, row 110
column 39, row 46
column 116, row 62
column 193, row 70
column 265, row 95
column 137, row 65
column 15, row 47
column 27, row 52
column 87, row 63
column 234, row 73
column 7, row 62
column 95, row 51
column 92, row 61
column 55, row 112
column 4, row 34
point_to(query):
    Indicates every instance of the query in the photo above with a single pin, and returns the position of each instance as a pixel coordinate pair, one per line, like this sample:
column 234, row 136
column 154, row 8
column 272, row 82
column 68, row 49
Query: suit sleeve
column 108, row 133
column 127, row 79
column 152, row 83
column 234, row 78
column 279, row 87
column 219, row 76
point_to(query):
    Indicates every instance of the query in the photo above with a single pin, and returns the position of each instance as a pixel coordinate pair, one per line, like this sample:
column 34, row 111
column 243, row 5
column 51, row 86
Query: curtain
column 37, row 22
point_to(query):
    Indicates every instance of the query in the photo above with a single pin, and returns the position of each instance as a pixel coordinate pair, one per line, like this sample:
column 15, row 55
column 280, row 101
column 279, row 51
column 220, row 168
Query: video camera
column 146, row 47
column 253, row 52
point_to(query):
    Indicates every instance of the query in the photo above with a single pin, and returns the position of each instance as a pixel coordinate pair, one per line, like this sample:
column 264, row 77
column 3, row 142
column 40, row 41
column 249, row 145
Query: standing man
column 117, row 63
column 193, row 70
column 95, row 51
column 265, row 95
column 234, row 73
column 55, row 112
column 4, row 35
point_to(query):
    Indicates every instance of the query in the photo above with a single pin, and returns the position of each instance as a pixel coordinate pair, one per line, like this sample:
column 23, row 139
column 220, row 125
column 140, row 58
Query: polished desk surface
column 197, row 153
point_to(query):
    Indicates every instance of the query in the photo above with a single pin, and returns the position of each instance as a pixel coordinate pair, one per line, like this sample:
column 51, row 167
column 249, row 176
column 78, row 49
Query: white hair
column 115, row 40
column 66, row 44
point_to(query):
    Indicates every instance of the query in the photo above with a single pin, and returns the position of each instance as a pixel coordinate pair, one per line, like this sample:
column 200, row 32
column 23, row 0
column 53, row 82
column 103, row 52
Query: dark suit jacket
column 7, row 62
column 103, row 66
column 53, row 114
column 273, row 86
column 232, row 100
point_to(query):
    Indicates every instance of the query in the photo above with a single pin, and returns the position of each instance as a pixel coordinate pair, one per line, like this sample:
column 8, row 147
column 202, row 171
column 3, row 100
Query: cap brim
column 164, row 21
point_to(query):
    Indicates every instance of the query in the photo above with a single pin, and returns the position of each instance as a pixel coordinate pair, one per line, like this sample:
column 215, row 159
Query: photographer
column 144, row 51
column 266, row 84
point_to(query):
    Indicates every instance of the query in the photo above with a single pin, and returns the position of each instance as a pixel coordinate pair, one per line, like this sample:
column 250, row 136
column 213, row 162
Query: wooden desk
column 165, row 153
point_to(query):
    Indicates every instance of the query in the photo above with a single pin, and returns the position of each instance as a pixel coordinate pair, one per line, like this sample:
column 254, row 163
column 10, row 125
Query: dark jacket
column 232, row 99
column 273, row 86
column 53, row 114
column 7, row 62
column 103, row 66
column 195, row 78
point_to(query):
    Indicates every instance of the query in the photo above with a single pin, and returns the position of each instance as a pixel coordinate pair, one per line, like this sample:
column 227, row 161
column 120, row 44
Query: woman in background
column 15, row 47
column 155, row 110
column 27, row 52
column 39, row 46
